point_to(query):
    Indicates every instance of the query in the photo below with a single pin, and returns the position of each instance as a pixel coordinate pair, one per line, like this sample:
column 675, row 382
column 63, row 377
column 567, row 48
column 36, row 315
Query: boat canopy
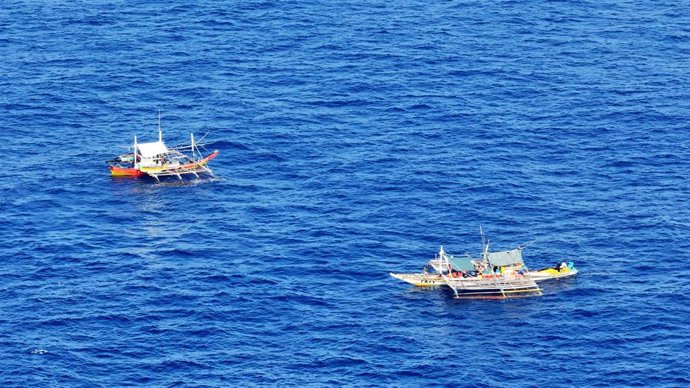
column 511, row 257
column 149, row 150
column 461, row 263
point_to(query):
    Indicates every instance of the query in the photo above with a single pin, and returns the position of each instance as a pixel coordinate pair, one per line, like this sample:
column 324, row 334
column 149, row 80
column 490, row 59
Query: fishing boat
column 156, row 160
column 427, row 279
column 494, row 275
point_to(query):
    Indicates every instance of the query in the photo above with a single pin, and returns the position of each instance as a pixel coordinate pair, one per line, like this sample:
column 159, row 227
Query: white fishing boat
column 494, row 275
column 426, row 279
column 157, row 160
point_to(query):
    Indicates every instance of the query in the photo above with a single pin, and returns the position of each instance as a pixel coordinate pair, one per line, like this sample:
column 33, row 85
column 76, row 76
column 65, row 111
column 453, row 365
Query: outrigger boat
column 427, row 279
column 495, row 275
column 156, row 160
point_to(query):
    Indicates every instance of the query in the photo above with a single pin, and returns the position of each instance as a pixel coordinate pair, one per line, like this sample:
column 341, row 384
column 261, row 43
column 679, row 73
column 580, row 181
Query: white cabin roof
column 149, row 150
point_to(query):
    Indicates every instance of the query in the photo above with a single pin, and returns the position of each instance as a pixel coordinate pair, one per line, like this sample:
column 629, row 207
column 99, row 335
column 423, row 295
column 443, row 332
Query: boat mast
column 193, row 156
column 160, row 131
column 445, row 263
column 134, row 162
column 485, row 256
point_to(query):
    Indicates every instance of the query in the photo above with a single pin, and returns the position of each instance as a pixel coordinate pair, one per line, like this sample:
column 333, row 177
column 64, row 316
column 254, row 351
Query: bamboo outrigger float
column 495, row 275
column 156, row 160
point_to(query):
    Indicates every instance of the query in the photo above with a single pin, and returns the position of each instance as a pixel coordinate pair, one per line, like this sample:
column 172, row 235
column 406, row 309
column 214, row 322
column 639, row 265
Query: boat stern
column 124, row 172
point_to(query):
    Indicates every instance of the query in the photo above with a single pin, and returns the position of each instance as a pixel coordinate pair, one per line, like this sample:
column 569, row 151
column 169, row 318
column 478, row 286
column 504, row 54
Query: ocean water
column 355, row 138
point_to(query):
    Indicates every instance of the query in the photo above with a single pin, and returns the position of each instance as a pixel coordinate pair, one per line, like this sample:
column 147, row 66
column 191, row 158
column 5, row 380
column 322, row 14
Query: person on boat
column 479, row 268
column 562, row 267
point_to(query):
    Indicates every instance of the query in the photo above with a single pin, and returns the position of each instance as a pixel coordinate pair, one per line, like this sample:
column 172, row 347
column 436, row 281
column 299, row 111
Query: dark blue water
column 356, row 137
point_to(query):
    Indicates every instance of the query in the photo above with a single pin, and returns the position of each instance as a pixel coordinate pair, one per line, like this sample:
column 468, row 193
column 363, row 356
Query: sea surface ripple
column 356, row 137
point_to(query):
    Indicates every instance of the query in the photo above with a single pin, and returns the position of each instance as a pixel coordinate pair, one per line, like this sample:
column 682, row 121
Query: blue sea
column 355, row 138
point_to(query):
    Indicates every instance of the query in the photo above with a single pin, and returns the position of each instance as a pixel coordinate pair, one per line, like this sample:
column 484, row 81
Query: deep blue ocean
column 355, row 138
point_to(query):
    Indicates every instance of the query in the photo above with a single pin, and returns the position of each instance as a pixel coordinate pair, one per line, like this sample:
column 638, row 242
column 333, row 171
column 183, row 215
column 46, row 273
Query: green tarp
column 461, row 263
column 511, row 257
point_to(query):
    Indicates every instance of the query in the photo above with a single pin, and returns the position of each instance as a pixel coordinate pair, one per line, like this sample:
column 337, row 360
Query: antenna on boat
column 160, row 131
column 193, row 156
column 134, row 152
column 481, row 233
column 485, row 256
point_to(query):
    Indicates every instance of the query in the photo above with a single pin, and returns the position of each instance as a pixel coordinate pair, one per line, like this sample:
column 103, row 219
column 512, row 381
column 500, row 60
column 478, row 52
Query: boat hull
column 435, row 280
column 551, row 273
column 420, row 279
column 189, row 168
column 125, row 172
